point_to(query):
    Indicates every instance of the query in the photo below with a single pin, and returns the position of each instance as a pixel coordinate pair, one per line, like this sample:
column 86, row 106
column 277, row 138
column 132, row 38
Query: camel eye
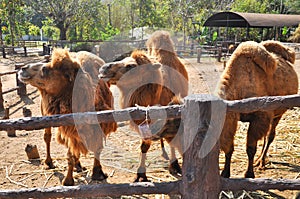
column 45, row 71
column 130, row 66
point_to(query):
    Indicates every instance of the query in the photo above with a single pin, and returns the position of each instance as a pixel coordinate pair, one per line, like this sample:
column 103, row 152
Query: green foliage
column 284, row 31
column 109, row 32
column 253, row 6
column 7, row 39
column 5, row 29
column 89, row 19
column 33, row 30
column 49, row 30
column 215, row 36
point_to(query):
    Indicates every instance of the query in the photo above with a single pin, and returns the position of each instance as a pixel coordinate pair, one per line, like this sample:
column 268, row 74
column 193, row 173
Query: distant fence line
column 195, row 183
column 109, row 50
column 20, row 86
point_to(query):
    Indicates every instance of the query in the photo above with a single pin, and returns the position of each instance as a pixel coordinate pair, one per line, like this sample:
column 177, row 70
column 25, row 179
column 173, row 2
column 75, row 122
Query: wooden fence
column 20, row 86
column 200, row 179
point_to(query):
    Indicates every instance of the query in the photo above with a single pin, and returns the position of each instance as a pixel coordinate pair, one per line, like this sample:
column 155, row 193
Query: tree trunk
column 63, row 34
column 63, row 31
column 1, row 40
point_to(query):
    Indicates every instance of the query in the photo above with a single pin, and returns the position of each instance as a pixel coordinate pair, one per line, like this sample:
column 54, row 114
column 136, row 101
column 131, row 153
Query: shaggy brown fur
column 66, row 88
column 161, row 47
column 255, row 70
column 140, row 82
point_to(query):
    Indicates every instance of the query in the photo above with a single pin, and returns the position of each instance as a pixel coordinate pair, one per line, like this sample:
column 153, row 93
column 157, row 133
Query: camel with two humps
column 65, row 87
column 255, row 70
column 148, row 79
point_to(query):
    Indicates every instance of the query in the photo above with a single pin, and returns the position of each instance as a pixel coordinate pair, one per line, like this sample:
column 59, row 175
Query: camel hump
column 279, row 49
column 61, row 58
column 258, row 54
column 140, row 57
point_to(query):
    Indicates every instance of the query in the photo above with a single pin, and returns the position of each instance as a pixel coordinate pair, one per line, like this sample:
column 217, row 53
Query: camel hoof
column 174, row 168
column 49, row 165
column 249, row 174
column 68, row 182
column 141, row 177
column 225, row 174
column 98, row 174
column 79, row 168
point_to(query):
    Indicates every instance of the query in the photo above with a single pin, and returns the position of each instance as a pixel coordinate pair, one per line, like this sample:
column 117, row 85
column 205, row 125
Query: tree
column 10, row 11
column 61, row 12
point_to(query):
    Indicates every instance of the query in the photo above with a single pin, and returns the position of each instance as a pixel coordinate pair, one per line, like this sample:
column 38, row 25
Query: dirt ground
column 121, row 152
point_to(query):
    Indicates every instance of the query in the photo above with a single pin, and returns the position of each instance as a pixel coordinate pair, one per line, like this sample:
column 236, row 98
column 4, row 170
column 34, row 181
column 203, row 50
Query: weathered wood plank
column 259, row 184
column 263, row 103
column 243, row 106
column 34, row 123
column 9, row 72
column 200, row 177
column 96, row 190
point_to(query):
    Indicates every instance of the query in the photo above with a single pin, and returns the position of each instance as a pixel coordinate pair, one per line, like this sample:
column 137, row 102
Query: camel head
column 52, row 77
column 160, row 41
column 129, row 70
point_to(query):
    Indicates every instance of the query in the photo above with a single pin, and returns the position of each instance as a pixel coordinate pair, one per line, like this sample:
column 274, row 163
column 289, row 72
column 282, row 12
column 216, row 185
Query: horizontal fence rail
column 259, row 184
column 138, row 113
column 263, row 103
column 116, row 190
column 8, row 73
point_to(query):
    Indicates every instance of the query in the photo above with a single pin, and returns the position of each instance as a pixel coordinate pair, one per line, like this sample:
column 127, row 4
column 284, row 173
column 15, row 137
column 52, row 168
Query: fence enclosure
column 200, row 178
column 20, row 86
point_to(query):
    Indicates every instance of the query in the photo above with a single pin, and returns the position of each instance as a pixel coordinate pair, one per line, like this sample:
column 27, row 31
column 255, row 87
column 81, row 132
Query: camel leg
column 47, row 140
column 164, row 152
column 98, row 173
column 69, row 180
column 258, row 128
column 78, row 167
column 141, row 172
column 226, row 171
column 227, row 142
column 261, row 161
column 174, row 167
column 257, row 162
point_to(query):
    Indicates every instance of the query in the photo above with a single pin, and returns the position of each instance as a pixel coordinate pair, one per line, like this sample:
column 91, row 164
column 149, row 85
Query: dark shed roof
column 256, row 20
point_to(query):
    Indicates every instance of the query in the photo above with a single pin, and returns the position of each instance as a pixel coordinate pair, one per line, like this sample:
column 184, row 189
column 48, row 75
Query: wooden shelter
column 252, row 20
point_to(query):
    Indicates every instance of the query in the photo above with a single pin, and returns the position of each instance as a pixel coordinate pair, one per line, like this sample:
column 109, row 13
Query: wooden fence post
column 219, row 54
column 25, row 51
column 201, row 178
column 1, row 97
column 10, row 132
column 3, row 52
column 21, row 86
column 199, row 53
